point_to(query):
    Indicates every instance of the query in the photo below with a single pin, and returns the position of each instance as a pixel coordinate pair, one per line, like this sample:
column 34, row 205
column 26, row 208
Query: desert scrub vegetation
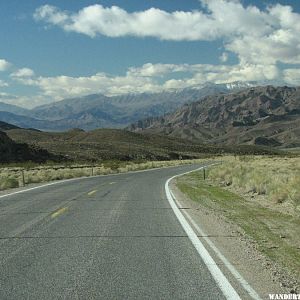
column 271, row 180
column 8, row 182
column 12, row 177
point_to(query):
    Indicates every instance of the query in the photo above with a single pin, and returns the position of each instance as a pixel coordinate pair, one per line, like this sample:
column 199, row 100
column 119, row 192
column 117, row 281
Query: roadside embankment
column 261, row 196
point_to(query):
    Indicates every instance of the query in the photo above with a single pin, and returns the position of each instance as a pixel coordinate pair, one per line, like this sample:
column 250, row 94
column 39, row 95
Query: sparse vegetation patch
column 269, row 180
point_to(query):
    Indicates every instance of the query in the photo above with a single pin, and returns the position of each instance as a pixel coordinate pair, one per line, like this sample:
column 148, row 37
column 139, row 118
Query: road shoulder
column 238, row 248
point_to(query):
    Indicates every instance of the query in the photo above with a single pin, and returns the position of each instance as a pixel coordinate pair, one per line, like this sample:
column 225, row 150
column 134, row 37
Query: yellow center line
column 92, row 192
column 59, row 212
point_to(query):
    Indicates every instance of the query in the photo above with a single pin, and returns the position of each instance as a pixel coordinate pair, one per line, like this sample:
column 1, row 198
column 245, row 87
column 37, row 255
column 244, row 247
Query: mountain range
column 220, row 122
column 100, row 111
column 266, row 115
column 225, row 114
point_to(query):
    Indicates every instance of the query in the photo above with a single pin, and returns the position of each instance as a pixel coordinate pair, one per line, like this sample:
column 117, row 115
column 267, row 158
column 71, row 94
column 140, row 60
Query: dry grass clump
column 276, row 178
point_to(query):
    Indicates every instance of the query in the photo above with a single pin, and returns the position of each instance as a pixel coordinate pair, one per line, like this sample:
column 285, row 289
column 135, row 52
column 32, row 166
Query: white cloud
column 3, row 83
column 5, row 97
column 223, row 57
column 225, row 18
column 60, row 87
column 256, row 36
column 148, row 78
column 154, row 70
column 115, row 22
column 292, row 76
column 4, row 64
column 23, row 73
column 260, row 38
column 52, row 14
column 24, row 101
column 225, row 74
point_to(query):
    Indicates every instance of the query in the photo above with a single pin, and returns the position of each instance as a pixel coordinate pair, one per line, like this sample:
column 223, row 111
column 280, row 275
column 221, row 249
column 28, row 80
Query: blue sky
column 51, row 50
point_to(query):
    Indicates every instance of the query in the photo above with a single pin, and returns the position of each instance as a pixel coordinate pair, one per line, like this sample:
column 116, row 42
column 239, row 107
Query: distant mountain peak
column 240, row 84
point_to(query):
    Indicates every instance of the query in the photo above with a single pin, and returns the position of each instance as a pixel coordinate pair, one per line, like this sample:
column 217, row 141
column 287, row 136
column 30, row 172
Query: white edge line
column 85, row 177
column 225, row 286
column 40, row 186
column 229, row 266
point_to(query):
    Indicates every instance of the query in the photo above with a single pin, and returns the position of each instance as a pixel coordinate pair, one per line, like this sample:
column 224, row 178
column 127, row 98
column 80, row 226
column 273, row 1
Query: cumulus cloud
column 23, row 73
column 115, row 22
column 256, row 36
column 224, row 18
column 4, row 64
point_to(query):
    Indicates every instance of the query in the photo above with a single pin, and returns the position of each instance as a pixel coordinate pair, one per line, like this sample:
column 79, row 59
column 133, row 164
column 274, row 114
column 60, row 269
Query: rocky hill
column 7, row 126
column 12, row 151
column 265, row 115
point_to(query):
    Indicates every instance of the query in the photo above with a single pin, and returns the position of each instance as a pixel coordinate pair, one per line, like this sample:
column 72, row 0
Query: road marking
column 92, row 192
column 59, row 212
column 231, row 268
column 225, row 286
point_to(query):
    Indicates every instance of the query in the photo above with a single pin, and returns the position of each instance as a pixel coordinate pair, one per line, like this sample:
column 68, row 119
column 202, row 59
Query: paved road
column 112, row 237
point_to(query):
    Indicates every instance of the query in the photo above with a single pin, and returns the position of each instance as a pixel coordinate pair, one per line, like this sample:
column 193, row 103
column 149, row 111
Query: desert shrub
column 278, row 178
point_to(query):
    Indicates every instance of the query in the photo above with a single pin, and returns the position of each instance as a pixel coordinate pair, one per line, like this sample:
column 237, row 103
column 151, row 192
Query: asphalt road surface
column 110, row 237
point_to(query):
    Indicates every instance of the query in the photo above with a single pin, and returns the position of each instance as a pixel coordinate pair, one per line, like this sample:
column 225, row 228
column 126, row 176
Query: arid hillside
column 11, row 152
column 109, row 144
column 266, row 115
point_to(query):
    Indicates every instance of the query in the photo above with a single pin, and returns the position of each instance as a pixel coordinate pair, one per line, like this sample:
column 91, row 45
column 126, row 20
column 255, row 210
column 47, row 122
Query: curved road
column 110, row 237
